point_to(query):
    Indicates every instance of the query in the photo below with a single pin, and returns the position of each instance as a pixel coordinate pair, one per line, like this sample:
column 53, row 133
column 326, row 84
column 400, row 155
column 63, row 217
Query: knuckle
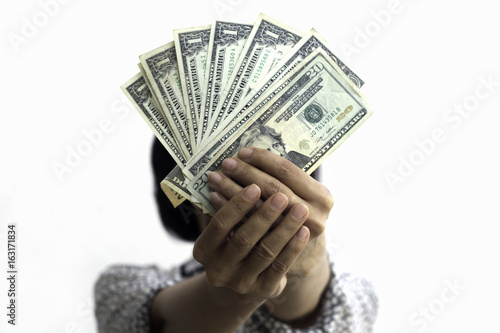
column 327, row 199
column 217, row 223
column 215, row 278
column 266, row 290
column 225, row 186
column 279, row 265
column 241, row 242
column 240, row 287
column 264, row 252
column 241, row 170
column 265, row 215
column 287, row 169
column 316, row 224
column 307, row 267
column 239, row 205
column 272, row 187
column 328, row 202
column 198, row 253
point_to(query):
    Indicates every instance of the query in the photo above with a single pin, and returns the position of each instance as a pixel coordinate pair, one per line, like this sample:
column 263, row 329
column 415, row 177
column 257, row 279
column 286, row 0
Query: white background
column 432, row 227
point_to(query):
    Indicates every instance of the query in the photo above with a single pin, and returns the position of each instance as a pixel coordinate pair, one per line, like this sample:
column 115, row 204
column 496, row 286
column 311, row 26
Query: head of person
column 185, row 221
column 265, row 137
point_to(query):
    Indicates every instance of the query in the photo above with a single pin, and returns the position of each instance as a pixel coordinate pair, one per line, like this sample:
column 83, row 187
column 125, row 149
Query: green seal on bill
column 313, row 113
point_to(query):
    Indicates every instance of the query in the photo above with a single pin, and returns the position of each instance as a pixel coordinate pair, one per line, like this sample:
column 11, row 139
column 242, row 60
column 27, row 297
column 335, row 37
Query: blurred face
column 270, row 144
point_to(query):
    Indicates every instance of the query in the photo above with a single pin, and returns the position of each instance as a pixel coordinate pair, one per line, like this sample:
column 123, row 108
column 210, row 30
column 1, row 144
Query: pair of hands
column 261, row 233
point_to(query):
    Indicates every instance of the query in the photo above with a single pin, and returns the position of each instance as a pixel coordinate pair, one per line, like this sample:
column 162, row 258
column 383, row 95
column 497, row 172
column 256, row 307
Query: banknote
column 268, row 42
column 175, row 197
column 227, row 40
column 140, row 96
column 191, row 46
column 251, row 104
column 310, row 42
column 148, row 84
column 304, row 122
column 175, row 188
column 160, row 66
column 175, row 181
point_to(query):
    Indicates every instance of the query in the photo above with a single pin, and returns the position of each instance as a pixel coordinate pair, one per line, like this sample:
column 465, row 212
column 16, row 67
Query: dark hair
column 180, row 222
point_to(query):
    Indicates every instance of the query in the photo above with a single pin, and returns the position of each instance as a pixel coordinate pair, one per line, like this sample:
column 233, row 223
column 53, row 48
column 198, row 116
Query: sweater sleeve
column 123, row 294
column 348, row 305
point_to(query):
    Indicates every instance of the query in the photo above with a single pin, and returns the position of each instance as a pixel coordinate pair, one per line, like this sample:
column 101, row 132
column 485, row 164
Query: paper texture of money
column 218, row 88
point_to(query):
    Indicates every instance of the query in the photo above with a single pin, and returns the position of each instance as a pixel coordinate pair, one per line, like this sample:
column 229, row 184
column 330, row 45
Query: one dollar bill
column 140, row 96
column 268, row 42
column 191, row 46
column 160, row 67
column 227, row 40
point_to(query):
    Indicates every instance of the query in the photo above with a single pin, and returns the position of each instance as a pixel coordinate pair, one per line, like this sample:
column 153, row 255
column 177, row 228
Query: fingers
column 274, row 174
column 245, row 173
column 289, row 174
column 253, row 229
column 297, row 240
column 268, row 251
column 225, row 220
column 218, row 200
column 256, row 257
column 226, row 189
column 265, row 257
column 220, row 183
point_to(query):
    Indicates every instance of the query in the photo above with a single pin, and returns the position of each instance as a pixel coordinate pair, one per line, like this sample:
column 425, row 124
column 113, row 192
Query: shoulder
column 123, row 294
column 147, row 274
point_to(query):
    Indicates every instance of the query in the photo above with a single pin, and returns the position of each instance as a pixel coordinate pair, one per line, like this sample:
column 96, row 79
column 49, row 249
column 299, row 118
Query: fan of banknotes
column 217, row 88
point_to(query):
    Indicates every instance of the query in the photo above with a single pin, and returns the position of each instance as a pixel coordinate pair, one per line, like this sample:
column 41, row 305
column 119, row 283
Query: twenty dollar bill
column 304, row 122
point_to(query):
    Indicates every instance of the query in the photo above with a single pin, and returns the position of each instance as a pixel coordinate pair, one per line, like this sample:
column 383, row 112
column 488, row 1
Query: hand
column 249, row 259
column 274, row 174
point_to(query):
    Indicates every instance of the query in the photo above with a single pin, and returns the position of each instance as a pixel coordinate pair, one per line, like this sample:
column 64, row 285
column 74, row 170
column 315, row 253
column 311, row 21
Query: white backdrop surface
column 416, row 187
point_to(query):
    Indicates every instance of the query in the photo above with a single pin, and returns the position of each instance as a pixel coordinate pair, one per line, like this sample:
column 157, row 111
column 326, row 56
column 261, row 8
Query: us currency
column 310, row 42
column 175, row 181
column 175, row 198
column 160, row 66
column 175, row 187
column 227, row 40
column 191, row 46
column 141, row 98
column 253, row 102
column 268, row 42
column 153, row 96
column 308, row 119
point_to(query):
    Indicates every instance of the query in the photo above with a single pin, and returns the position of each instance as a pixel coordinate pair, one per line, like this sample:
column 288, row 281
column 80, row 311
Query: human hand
column 274, row 174
column 250, row 259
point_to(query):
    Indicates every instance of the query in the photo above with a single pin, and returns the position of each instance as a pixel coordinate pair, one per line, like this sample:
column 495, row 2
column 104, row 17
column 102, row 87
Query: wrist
column 312, row 260
column 299, row 304
column 216, row 309
column 225, row 297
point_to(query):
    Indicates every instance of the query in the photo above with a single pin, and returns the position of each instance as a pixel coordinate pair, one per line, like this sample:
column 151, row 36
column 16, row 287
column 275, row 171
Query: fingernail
column 278, row 201
column 214, row 178
column 245, row 153
column 299, row 212
column 229, row 164
column 251, row 192
column 302, row 233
